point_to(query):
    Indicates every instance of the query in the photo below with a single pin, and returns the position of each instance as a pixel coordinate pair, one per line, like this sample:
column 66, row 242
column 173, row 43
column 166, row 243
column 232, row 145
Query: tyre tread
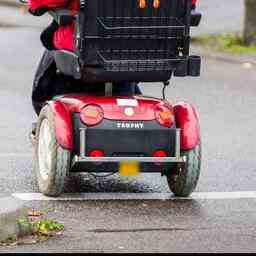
column 54, row 186
column 188, row 177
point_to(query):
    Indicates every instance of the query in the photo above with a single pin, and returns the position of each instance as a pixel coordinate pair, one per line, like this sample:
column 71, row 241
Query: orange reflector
column 93, row 113
column 156, row 4
column 165, row 115
column 142, row 4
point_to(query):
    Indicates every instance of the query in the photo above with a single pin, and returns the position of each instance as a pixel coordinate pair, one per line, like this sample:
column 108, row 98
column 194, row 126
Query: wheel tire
column 184, row 181
column 52, row 162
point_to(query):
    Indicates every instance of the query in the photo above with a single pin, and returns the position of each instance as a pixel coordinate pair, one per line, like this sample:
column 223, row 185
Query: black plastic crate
column 140, row 27
column 118, row 36
column 136, row 61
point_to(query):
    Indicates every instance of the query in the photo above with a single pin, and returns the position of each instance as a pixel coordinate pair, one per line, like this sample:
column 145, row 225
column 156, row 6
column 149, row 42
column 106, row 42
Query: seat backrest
column 124, row 35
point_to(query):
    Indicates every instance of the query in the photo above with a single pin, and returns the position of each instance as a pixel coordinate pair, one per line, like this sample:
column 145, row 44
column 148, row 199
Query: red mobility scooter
column 122, row 41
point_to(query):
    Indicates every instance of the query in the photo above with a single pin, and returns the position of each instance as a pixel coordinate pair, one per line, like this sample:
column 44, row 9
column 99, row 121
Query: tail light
column 159, row 153
column 92, row 115
column 96, row 153
column 164, row 115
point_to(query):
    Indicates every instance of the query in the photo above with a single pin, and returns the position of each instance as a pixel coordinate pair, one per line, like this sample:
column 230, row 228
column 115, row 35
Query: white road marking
column 137, row 196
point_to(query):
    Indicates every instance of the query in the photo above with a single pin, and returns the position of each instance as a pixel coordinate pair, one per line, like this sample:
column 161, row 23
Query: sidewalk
column 147, row 226
column 242, row 59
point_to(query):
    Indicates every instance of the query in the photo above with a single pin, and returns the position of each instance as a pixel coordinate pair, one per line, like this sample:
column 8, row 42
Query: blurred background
column 219, row 16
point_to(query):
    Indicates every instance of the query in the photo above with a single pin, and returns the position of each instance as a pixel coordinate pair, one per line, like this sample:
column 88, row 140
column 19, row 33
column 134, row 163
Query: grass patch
column 231, row 43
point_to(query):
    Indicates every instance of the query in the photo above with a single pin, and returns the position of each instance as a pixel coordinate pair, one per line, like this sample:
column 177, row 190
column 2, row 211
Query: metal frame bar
column 82, row 142
column 130, row 159
column 181, row 26
column 82, row 158
column 177, row 144
column 108, row 89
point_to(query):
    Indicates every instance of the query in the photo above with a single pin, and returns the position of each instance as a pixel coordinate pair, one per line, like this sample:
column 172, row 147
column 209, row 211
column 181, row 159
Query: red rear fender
column 63, row 124
column 187, row 120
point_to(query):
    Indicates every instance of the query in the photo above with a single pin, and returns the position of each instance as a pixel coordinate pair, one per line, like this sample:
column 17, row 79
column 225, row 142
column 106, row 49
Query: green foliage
column 41, row 227
column 45, row 227
column 231, row 43
column 26, row 226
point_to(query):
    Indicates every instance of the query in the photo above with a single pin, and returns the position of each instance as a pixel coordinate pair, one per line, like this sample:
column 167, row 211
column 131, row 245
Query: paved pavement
column 151, row 226
column 225, row 99
column 221, row 16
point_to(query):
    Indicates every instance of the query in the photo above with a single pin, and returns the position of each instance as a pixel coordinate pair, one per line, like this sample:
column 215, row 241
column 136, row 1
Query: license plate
column 129, row 169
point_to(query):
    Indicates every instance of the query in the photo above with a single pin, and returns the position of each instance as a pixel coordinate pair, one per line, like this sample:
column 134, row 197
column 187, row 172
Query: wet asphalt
column 225, row 99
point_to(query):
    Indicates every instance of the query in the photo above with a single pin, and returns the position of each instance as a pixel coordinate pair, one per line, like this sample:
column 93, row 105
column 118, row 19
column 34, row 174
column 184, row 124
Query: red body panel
column 63, row 124
column 65, row 106
column 144, row 111
column 187, row 120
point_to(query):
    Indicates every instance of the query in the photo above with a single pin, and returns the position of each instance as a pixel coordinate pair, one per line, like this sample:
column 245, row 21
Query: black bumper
column 147, row 165
column 139, row 143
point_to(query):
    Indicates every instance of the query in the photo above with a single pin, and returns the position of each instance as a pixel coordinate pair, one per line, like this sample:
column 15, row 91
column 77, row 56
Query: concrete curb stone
column 11, row 3
column 11, row 210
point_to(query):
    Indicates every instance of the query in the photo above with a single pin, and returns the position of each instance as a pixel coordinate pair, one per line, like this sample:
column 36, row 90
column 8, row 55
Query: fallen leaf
column 34, row 213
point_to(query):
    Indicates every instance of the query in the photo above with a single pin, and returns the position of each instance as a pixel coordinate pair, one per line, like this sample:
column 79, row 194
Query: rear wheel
column 52, row 161
column 183, row 181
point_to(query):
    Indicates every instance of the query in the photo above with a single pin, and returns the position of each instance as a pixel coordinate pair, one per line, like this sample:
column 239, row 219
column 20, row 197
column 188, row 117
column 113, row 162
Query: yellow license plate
column 129, row 169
